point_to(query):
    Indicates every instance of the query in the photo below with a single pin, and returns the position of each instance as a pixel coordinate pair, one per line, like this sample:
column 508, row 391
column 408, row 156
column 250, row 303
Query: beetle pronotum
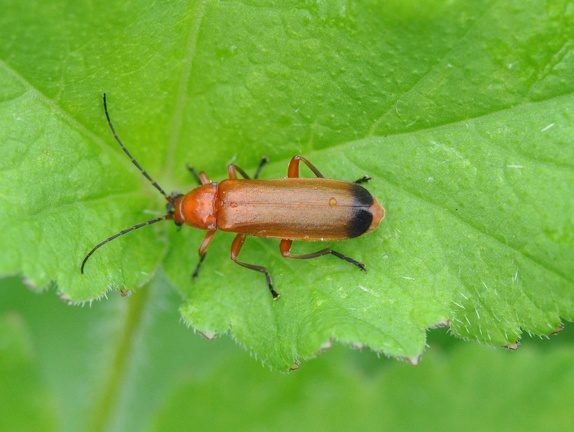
column 293, row 208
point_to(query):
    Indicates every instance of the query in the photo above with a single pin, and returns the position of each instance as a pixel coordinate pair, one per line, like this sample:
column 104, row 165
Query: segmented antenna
column 109, row 239
column 126, row 151
column 169, row 215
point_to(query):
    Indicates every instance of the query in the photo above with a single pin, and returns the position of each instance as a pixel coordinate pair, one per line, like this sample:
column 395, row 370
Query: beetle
column 290, row 209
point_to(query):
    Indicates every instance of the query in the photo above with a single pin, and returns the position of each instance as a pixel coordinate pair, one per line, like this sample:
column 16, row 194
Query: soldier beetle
column 292, row 208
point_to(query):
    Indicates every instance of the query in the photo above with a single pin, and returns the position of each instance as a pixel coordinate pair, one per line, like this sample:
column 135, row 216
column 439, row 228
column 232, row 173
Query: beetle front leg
column 203, row 252
column 285, row 248
column 264, row 160
column 233, row 169
column 236, row 248
column 200, row 178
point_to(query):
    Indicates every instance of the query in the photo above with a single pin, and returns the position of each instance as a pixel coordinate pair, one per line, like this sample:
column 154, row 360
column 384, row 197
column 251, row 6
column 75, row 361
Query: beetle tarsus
column 196, row 271
column 193, row 172
column 350, row 260
column 285, row 248
column 363, row 179
column 264, row 160
column 274, row 293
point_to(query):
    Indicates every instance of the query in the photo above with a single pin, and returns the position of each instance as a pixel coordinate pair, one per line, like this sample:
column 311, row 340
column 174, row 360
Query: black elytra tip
column 361, row 218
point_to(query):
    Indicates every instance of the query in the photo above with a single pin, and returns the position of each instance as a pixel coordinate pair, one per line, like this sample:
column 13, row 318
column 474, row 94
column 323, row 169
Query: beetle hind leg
column 285, row 248
column 364, row 179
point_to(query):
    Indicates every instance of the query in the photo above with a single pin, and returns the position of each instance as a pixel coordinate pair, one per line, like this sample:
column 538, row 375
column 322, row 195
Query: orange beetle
column 294, row 208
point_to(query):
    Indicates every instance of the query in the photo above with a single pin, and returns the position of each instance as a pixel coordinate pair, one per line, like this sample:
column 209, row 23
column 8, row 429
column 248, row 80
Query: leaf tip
column 30, row 284
column 327, row 345
column 558, row 329
column 513, row 346
column 441, row 324
column 208, row 334
column 294, row 366
column 413, row 361
column 64, row 297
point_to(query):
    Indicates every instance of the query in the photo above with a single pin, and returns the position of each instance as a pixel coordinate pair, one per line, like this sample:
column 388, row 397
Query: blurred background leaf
column 95, row 368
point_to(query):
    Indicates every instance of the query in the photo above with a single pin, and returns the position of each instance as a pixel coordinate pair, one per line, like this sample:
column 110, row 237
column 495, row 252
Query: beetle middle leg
column 293, row 170
column 285, row 248
column 233, row 169
column 236, row 248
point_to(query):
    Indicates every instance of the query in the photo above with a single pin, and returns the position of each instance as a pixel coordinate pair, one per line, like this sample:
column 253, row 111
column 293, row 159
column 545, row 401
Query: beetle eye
column 170, row 208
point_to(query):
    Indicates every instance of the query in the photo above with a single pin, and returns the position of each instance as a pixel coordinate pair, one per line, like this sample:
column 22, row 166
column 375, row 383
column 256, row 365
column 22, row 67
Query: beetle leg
column 363, row 179
column 196, row 271
column 200, row 178
column 233, row 169
column 203, row 251
column 236, row 248
column 293, row 170
column 285, row 248
column 193, row 172
column 264, row 160
column 203, row 178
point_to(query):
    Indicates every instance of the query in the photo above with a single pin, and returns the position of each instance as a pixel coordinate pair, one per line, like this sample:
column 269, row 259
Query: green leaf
column 461, row 113
column 130, row 365
column 26, row 403
column 335, row 394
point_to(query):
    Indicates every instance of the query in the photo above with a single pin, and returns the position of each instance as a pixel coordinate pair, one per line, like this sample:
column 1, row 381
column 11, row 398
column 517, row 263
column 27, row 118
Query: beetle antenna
column 109, row 239
column 126, row 151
